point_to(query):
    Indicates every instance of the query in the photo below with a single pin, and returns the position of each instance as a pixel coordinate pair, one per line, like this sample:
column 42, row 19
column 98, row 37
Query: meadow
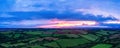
column 59, row 38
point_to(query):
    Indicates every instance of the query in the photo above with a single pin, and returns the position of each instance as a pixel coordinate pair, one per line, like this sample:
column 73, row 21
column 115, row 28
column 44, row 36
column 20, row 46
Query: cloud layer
column 32, row 13
column 96, row 7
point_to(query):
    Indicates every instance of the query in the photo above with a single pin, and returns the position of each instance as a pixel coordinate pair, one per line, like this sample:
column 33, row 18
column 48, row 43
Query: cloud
column 62, row 16
column 114, row 24
column 111, row 22
column 5, row 15
column 106, row 8
column 49, row 23
column 49, row 5
column 31, row 5
column 24, row 10
column 26, row 22
column 56, row 23
column 68, row 24
column 54, row 26
column 97, row 12
column 6, row 5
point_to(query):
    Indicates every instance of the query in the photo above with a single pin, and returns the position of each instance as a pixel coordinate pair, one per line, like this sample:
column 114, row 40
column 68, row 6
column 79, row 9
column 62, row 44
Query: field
column 59, row 38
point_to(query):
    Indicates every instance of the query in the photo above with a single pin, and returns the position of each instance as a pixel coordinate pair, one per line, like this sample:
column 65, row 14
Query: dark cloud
column 62, row 16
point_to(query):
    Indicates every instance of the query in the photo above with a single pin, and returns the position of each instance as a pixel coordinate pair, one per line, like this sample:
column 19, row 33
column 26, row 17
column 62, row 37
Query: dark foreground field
column 59, row 38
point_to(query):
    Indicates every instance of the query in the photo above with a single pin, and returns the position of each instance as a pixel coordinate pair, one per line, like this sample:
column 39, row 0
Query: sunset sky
column 59, row 13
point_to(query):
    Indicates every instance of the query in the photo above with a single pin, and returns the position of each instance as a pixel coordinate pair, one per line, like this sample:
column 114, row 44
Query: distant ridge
column 7, row 29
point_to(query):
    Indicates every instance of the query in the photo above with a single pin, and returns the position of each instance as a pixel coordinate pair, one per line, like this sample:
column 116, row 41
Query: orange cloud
column 67, row 24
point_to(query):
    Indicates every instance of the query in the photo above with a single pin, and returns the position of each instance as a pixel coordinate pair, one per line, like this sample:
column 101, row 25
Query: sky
column 59, row 13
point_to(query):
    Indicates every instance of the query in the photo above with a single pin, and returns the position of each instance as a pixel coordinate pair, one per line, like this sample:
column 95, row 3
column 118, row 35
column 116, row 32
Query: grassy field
column 60, row 39
column 67, row 42
column 102, row 46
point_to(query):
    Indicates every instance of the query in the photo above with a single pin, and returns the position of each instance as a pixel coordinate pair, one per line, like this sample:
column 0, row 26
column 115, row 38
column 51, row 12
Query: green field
column 60, row 39
column 102, row 46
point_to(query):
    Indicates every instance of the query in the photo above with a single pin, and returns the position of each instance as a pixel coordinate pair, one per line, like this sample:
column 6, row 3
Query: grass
column 37, row 46
column 90, row 37
column 34, row 33
column 72, row 35
column 16, row 35
column 8, row 45
column 67, row 42
column 102, row 32
column 102, row 46
column 52, row 44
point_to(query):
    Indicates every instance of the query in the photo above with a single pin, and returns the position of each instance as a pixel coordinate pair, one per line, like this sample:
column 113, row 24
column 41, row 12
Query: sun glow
column 67, row 24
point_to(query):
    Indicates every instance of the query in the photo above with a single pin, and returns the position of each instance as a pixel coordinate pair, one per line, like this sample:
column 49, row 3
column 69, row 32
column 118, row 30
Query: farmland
column 59, row 38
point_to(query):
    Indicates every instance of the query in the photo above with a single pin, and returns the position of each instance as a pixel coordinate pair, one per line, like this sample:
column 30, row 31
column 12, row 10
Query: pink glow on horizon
column 67, row 24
